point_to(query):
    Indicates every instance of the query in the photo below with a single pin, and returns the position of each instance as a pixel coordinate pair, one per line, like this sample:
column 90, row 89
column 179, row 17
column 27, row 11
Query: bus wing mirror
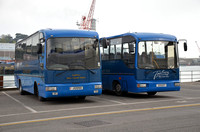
column 39, row 48
column 104, row 42
column 42, row 40
column 185, row 46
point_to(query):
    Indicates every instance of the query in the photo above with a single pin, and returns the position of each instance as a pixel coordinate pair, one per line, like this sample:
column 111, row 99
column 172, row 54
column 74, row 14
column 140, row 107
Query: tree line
column 9, row 39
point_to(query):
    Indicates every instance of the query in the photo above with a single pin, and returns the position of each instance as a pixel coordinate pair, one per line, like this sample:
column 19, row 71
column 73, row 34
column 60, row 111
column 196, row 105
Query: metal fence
column 190, row 76
column 7, row 77
column 7, row 81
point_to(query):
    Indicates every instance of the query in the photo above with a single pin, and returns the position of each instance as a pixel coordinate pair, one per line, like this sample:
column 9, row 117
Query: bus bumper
column 156, row 86
column 70, row 90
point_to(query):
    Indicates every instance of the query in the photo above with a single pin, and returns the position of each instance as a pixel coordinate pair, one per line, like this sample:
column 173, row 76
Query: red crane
column 86, row 23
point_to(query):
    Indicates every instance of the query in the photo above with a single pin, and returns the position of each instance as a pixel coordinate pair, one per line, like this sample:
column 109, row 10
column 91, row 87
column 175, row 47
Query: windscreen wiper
column 62, row 72
column 77, row 65
column 173, row 70
column 87, row 69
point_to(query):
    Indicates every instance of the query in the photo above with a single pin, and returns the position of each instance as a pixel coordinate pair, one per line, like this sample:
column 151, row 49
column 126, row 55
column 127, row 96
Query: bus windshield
column 72, row 54
column 157, row 55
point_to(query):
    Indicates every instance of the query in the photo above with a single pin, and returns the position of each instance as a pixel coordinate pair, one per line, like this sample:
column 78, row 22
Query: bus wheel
column 151, row 93
column 81, row 97
column 118, row 89
column 36, row 92
column 21, row 91
column 41, row 98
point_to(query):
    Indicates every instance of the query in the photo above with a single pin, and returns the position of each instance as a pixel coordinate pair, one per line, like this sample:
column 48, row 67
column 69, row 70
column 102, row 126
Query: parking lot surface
column 166, row 111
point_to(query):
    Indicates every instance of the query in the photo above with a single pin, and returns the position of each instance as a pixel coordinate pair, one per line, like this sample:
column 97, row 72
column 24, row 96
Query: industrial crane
column 86, row 23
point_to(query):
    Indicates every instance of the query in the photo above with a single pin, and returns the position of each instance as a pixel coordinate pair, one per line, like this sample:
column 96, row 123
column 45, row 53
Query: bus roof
column 69, row 33
column 65, row 33
column 148, row 36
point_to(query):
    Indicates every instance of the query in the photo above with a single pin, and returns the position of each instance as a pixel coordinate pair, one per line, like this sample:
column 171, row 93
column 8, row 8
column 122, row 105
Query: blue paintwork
column 30, row 72
column 148, row 36
column 116, row 70
column 69, row 33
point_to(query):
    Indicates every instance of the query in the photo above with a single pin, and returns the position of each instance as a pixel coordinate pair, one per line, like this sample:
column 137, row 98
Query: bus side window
column 118, row 51
column 35, row 41
column 115, row 48
column 132, row 52
column 19, row 52
column 112, row 52
column 125, row 51
column 27, row 55
column 129, row 54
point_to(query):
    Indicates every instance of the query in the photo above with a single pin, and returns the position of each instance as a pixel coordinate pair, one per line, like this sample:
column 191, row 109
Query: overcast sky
column 177, row 17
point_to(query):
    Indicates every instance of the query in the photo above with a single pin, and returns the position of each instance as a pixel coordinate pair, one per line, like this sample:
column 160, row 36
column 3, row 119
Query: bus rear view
column 140, row 62
column 59, row 63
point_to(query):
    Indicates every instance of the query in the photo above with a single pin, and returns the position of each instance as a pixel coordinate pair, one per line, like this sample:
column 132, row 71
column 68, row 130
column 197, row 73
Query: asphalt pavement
column 164, row 112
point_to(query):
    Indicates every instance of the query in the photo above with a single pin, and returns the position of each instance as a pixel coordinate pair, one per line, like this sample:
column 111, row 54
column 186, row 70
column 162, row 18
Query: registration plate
column 76, row 88
column 161, row 85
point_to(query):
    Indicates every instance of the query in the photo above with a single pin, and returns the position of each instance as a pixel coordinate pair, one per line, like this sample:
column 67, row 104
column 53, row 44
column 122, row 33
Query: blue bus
column 59, row 63
column 140, row 62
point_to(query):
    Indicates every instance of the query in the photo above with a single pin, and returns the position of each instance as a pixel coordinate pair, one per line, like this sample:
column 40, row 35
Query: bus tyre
column 41, row 98
column 151, row 93
column 117, row 89
column 36, row 92
column 82, row 97
column 21, row 91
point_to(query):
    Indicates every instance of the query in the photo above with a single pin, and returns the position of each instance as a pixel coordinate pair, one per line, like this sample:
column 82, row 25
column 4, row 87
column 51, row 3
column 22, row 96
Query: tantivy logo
column 160, row 74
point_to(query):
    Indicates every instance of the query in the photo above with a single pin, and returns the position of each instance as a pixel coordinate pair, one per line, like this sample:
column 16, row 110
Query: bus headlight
column 142, row 85
column 51, row 88
column 98, row 86
column 176, row 84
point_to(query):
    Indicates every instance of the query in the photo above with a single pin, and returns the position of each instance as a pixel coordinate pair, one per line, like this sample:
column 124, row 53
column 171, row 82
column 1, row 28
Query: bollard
column 1, row 82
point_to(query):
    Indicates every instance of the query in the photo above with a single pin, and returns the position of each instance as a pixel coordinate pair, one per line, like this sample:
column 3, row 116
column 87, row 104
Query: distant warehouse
column 7, row 51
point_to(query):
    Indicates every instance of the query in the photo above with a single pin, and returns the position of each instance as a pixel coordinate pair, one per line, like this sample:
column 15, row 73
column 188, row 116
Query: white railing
column 185, row 76
column 190, row 75
column 7, row 81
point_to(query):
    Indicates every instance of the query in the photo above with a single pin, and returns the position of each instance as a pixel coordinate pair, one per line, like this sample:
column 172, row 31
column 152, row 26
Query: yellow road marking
column 96, row 114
